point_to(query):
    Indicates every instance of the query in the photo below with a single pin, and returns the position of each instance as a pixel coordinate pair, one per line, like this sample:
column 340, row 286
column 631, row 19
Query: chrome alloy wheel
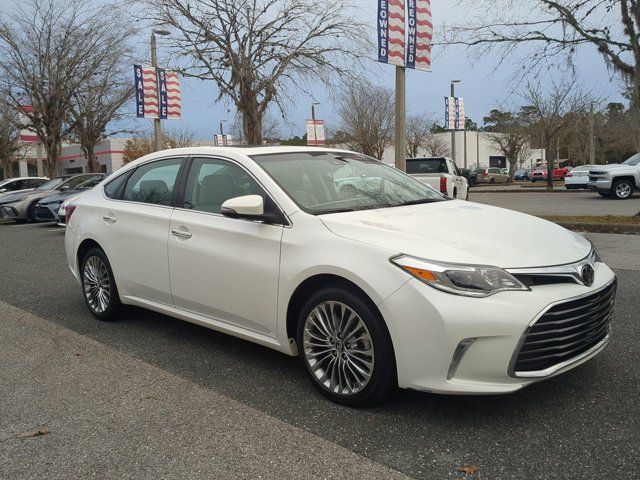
column 338, row 348
column 623, row 190
column 96, row 284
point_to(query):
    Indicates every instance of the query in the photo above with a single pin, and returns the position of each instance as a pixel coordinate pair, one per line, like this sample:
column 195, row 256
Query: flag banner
column 174, row 100
column 315, row 132
column 162, row 93
column 391, row 32
column 454, row 117
column 27, row 135
column 423, row 34
column 157, row 93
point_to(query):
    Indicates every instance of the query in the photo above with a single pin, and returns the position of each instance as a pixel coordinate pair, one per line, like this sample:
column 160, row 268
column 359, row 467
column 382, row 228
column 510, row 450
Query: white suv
column 617, row 180
column 372, row 288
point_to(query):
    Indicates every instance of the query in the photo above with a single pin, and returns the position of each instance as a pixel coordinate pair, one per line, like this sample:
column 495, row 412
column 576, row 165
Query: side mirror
column 250, row 207
column 3, row 190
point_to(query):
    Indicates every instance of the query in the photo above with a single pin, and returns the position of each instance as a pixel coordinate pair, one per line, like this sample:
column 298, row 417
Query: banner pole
column 401, row 120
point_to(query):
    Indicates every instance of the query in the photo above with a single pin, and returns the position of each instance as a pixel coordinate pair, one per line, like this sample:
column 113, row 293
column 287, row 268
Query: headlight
column 594, row 256
column 467, row 280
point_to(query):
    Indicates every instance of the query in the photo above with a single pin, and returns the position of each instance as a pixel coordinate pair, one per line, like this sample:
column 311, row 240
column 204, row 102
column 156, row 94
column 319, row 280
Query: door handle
column 109, row 218
column 181, row 234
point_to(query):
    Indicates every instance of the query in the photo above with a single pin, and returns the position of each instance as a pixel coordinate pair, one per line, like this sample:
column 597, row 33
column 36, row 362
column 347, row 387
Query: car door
column 224, row 268
column 134, row 226
column 458, row 181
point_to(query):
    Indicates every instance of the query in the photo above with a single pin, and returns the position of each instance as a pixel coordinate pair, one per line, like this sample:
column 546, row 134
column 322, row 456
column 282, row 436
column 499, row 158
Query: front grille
column 593, row 178
column 565, row 331
column 43, row 213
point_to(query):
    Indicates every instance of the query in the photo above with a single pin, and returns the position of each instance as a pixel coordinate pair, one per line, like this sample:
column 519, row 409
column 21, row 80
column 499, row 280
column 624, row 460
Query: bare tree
column 48, row 49
column 509, row 135
column 437, row 146
column 9, row 137
column 417, row 132
column 144, row 144
column 270, row 129
column 367, row 117
column 557, row 28
column 550, row 113
column 97, row 103
column 257, row 51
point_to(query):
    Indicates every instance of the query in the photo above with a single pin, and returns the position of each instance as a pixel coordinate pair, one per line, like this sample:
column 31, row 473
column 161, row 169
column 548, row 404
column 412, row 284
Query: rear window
column 427, row 165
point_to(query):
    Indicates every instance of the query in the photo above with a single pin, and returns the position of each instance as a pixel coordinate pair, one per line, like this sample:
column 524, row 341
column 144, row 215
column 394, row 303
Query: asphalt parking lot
column 150, row 396
column 557, row 203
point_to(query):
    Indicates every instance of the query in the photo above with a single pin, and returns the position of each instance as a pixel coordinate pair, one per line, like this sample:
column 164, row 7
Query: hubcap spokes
column 97, row 285
column 338, row 348
column 623, row 190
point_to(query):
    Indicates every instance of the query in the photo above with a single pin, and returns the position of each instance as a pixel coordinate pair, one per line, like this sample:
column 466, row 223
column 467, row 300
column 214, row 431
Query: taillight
column 569, row 175
column 443, row 185
column 69, row 211
column 485, row 174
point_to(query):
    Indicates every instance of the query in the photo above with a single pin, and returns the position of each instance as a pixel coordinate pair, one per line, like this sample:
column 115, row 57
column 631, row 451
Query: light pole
column 157, row 127
column 313, row 118
column 453, row 127
column 401, row 120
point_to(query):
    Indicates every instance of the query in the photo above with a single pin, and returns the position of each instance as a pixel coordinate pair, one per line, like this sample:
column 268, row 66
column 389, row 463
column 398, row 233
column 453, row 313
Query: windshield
column 329, row 182
column 51, row 184
column 427, row 165
column 635, row 160
column 74, row 182
column 89, row 184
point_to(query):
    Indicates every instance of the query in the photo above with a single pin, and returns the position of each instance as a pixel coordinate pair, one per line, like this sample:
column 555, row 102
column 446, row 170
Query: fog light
column 461, row 349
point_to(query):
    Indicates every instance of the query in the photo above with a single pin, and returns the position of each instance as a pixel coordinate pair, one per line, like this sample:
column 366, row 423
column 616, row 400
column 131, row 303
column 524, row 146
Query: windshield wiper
column 421, row 201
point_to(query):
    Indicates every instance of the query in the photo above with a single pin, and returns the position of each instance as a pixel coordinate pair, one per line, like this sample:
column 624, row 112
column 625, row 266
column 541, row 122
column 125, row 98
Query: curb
column 619, row 228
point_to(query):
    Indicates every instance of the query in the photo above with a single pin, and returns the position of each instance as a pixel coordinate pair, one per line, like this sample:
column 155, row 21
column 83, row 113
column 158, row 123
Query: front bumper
column 13, row 211
column 429, row 327
column 47, row 212
column 601, row 185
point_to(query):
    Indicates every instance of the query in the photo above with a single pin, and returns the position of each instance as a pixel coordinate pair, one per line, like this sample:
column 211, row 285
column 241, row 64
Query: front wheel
column 346, row 347
column 99, row 286
column 623, row 189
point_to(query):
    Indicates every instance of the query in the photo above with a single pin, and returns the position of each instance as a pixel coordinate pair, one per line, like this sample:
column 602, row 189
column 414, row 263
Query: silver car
column 19, row 184
column 21, row 206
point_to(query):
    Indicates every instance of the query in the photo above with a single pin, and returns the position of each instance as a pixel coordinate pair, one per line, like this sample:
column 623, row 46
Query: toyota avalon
column 372, row 288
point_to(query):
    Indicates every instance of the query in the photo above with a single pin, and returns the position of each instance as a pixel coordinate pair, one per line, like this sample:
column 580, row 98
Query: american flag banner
column 454, row 116
column 391, row 32
column 461, row 119
column 157, row 93
column 174, row 101
column 423, row 33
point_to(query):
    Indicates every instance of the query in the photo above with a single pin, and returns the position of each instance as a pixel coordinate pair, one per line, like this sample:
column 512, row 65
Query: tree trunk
column 6, row 168
column 92, row 161
column 550, row 164
column 252, row 123
column 53, row 149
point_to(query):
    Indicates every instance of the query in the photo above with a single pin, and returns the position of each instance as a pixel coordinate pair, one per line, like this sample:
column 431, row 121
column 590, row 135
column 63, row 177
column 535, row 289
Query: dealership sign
column 454, row 116
column 405, row 33
column 157, row 93
column 315, row 132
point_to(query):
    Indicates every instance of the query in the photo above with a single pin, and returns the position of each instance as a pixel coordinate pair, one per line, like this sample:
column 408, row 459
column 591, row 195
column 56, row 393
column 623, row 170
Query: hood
column 29, row 195
column 60, row 197
column 606, row 168
column 462, row 232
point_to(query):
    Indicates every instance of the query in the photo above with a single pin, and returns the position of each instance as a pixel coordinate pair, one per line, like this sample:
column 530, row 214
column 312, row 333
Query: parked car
column 541, row 173
column 21, row 206
column 577, row 178
column 440, row 173
column 20, row 184
column 62, row 211
column 504, row 171
column 46, row 210
column 492, row 175
column 402, row 286
column 618, row 181
column 522, row 174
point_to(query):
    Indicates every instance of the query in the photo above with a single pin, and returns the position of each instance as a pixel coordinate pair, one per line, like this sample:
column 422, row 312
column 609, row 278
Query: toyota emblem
column 588, row 275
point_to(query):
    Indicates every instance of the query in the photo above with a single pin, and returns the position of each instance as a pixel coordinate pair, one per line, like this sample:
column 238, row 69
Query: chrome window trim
column 551, row 370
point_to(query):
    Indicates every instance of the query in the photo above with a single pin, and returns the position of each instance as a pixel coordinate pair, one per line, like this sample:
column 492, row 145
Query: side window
column 33, row 183
column 212, row 182
column 113, row 188
column 17, row 185
column 153, row 182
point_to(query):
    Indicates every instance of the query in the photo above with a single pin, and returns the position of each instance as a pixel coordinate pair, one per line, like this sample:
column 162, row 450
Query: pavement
column 559, row 203
column 153, row 397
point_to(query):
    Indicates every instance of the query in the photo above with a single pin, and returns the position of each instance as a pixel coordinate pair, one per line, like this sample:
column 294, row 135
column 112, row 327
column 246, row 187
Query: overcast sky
column 482, row 87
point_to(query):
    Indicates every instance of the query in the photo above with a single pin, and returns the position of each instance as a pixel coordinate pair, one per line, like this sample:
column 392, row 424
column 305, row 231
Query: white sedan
column 373, row 288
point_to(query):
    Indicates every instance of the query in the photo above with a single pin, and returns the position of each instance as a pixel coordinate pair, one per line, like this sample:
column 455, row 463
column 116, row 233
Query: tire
column 492, row 181
column 622, row 189
column 455, row 193
column 363, row 383
column 95, row 267
column 31, row 212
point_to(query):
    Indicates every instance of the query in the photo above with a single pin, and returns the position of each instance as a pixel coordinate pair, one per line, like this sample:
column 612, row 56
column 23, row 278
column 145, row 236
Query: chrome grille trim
column 551, row 349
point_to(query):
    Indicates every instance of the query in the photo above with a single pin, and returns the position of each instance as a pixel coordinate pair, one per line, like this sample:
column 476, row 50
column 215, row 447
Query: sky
column 483, row 87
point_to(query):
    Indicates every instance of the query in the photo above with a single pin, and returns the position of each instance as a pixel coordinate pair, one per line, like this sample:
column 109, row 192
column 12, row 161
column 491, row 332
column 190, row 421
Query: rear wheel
column 346, row 348
column 623, row 189
column 99, row 286
column 493, row 180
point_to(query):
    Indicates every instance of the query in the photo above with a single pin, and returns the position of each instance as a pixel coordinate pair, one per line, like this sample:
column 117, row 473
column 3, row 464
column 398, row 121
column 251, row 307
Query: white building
column 480, row 150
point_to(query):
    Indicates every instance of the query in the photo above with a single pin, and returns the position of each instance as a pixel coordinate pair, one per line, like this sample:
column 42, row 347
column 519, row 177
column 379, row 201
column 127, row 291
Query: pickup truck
column 618, row 180
column 440, row 173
